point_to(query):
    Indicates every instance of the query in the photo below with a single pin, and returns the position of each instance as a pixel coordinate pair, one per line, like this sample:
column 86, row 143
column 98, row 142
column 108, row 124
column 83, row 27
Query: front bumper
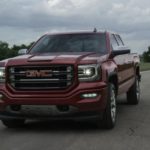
column 72, row 113
column 77, row 105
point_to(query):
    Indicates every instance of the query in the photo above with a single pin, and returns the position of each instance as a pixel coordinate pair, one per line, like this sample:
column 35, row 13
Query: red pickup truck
column 70, row 76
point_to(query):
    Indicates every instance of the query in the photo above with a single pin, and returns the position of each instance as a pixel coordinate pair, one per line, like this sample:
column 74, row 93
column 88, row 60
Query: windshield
column 71, row 43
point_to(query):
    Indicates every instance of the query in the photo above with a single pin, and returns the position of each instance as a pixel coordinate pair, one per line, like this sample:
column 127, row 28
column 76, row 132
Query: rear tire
column 13, row 123
column 133, row 95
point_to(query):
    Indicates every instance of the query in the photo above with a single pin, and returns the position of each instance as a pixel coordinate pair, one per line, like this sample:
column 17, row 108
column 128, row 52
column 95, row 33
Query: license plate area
column 39, row 110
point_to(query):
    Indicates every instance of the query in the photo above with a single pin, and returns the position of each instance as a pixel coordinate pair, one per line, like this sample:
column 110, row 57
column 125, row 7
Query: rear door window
column 119, row 40
column 114, row 42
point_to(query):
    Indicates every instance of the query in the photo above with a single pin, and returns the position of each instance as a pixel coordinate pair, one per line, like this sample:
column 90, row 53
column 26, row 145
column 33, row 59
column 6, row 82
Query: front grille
column 55, row 77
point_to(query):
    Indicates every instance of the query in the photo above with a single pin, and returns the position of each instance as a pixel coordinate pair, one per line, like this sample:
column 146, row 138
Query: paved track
column 132, row 131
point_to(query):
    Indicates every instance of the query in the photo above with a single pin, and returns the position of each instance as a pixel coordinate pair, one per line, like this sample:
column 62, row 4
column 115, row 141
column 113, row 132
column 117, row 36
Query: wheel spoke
column 113, row 105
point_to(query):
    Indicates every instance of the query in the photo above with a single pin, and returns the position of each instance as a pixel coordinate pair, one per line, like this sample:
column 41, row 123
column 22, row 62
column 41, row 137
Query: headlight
column 88, row 72
column 2, row 74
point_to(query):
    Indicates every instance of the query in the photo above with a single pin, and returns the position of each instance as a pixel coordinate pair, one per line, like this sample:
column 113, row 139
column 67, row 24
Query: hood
column 56, row 58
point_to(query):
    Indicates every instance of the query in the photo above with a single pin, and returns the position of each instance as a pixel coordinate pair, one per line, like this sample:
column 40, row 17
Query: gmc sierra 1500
column 71, row 75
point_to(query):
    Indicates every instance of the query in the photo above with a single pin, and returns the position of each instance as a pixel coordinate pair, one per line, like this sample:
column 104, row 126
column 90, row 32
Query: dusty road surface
column 132, row 131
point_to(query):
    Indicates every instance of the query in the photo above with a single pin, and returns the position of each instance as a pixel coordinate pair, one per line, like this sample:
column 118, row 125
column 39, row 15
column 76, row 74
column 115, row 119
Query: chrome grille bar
column 57, row 77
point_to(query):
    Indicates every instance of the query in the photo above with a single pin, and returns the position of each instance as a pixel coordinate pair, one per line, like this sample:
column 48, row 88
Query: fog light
column 1, row 96
column 89, row 95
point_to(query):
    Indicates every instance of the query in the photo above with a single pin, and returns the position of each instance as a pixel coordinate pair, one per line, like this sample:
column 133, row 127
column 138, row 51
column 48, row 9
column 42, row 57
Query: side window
column 114, row 42
column 119, row 40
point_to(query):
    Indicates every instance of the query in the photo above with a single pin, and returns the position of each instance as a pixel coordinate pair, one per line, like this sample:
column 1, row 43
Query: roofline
column 81, row 32
column 77, row 32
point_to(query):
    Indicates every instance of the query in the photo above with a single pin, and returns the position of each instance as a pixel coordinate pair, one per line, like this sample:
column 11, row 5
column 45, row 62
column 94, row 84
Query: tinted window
column 119, row 40
column 71, row 43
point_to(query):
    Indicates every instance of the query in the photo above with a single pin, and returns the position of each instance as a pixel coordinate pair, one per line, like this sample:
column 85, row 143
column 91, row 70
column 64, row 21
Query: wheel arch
column 137, row 72
column 113, row 78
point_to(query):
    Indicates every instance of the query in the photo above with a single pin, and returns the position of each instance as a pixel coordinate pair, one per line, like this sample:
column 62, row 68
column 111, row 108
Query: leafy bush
column 146, row 55
column 7, row 52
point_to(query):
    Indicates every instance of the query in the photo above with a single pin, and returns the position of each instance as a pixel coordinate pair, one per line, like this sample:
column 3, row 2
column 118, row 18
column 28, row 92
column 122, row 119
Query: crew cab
column 69, row 76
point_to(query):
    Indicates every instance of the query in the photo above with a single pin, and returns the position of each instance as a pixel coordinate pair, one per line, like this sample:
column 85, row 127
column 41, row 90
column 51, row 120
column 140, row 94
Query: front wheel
column 133, row 95
column 109, row 115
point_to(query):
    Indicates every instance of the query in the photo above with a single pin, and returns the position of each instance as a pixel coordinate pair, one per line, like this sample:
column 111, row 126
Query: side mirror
column 22, row 51
column 119, row 52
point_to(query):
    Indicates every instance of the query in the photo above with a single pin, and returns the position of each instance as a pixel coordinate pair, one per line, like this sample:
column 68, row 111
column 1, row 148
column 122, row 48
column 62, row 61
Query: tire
column 133, row 95
column 109, row 115
column 13, row 123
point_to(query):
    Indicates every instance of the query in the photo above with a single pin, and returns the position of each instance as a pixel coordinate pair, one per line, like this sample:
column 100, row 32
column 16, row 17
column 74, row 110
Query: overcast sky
column 24, row 21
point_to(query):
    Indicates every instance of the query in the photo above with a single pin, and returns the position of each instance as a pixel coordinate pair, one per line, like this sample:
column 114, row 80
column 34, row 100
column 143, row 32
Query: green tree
column 4, row 49
column 6, row 52
column 16, row 48
column 146, row 55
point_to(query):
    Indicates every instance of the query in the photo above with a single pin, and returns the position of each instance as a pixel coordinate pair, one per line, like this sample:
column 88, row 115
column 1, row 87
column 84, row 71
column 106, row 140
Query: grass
column 144, row 66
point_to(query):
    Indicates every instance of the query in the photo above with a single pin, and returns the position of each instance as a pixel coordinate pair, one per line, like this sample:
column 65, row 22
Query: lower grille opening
column 15, row 107
column 63, row 108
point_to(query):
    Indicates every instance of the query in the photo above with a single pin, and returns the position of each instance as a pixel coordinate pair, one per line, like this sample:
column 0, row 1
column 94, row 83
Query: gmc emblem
column 39, row 73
